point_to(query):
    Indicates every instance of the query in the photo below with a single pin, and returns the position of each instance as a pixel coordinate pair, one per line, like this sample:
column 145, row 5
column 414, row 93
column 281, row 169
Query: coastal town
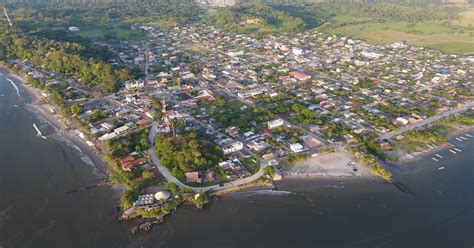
column 214, row 111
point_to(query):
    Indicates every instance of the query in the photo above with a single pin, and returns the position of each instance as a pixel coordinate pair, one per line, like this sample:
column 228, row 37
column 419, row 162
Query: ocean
column 41, row 206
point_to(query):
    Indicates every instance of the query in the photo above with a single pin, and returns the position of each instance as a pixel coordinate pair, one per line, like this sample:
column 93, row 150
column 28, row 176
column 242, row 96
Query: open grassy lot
column 466, row 19
column 433, row 35
column 114, row 34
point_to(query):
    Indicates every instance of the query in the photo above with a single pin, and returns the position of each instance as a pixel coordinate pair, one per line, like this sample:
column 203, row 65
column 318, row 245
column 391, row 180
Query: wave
column 273, row 192
column 14, row 86
column 85, row 158
column 4, row 214
column 39, row 132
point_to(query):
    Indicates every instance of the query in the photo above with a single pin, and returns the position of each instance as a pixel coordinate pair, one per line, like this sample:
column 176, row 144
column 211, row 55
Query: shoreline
column 58, row 122
column 431, row 151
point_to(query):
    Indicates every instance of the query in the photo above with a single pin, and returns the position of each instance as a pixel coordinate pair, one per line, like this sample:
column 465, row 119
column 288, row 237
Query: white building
column 232, row 147
column 74, row 29
column 131, row 85
column 275, row 123
column 402, row 120
column 297, row 147
column 121, row 130
column 297, row 51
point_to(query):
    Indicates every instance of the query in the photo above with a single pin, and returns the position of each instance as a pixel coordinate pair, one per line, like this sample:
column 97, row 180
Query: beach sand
column 331, row 165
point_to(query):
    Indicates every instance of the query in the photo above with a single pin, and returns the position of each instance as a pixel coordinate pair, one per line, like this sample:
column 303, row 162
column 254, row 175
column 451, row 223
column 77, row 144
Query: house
column 200, row 176
column 402, row 120
column 232, row 147
column 299, row 75
column 296, row 148
column 274, row 123
column 74, row 29
column 192, row 177
column 107, row 136
column 121, row 130
column 297, row 51
column 132, row 85
column 232, row 131
column 128, row 163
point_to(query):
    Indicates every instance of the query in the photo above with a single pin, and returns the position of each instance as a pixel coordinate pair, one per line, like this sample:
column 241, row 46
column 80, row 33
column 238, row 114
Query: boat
column 439, row 156
column 468, row 135
column 453, row 152
column 463, row 138
column 441, row 168
column 458, row 139
column 458, row 150
column 435, row 159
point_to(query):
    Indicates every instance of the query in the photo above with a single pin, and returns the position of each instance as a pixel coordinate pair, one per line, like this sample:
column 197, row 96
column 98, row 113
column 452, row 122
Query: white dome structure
column 162, row 195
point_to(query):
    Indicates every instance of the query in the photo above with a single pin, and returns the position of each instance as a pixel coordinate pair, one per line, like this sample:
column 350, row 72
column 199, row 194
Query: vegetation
column 62, row 58
column 187, row 152
column 234, row 113
column 437, row 133
column 120, row 147
column 256, row 19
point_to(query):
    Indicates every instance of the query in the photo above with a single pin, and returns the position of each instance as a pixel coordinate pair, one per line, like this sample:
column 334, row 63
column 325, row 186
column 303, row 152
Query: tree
column 148, row 175
column 76, row 109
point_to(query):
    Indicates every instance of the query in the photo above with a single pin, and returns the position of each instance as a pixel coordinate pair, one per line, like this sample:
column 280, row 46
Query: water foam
column 14, row 86
column 39, row 134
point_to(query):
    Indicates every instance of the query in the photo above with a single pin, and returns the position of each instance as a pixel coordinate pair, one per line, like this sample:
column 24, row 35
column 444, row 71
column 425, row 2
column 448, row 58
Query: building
column 297, row 51
column 274, row 123
column 299, row 75
column 232, row 147
column 402, row 120
column 132, row 85
column 121, row 130
column 200, row 176
column 74, row 29
column 162, row 195
column 128, row 163
column 144, row 200
column 296, row 148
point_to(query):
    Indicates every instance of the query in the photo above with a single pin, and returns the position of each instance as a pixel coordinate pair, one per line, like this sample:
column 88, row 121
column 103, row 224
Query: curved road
column 167, row 174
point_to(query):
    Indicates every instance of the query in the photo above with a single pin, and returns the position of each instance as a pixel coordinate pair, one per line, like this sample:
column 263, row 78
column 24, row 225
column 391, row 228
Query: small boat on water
column 435, row 159
column 456, row 149
column 439, row 156
column 441, row 168
column 468, row 135
column 458, row 139
column 453, row 152
column 462, row 137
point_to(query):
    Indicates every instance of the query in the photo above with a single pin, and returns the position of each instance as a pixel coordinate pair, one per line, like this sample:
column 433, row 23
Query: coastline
column 58, row 122
column 431, row 151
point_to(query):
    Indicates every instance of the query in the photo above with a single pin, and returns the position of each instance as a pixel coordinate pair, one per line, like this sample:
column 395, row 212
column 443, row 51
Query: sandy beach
column 331, row 165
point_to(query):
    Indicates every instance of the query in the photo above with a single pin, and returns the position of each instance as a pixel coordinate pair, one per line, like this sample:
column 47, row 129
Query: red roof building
column 129, row 163
column 299, row 75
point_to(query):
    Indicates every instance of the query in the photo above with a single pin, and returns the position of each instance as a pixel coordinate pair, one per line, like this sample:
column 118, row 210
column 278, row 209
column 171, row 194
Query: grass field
column 466, row 19
column 433, row 35
column 114, row 34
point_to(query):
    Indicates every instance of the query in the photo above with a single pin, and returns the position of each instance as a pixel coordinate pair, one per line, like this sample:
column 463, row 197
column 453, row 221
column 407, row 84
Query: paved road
column 167, row 174
column 426, row 122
